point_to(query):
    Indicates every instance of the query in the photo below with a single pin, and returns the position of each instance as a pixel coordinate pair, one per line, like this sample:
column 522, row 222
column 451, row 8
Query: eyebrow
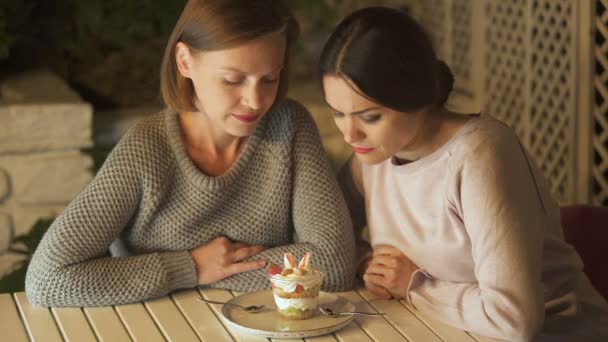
column 358, row 112
column 243, row 72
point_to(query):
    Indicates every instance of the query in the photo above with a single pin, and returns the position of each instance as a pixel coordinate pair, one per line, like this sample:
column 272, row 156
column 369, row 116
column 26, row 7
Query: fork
column 250, row 308
column 329, row 312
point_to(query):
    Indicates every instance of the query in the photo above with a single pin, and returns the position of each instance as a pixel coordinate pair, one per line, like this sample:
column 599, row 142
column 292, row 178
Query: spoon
column 250, row 308
column 331, row 313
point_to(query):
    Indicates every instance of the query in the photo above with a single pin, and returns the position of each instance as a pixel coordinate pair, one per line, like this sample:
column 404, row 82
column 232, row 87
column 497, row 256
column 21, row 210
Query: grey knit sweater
column 280, row 193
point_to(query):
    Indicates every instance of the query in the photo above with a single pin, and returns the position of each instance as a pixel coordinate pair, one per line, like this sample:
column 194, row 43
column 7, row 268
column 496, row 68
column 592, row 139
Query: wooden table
column 180, row 317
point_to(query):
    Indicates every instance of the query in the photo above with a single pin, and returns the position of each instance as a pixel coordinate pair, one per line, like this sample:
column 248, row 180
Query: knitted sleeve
column 320, row 217
column 71, row 266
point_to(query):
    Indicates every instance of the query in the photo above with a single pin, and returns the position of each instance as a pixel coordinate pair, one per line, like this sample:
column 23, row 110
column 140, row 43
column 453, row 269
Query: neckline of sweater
column 192, row 172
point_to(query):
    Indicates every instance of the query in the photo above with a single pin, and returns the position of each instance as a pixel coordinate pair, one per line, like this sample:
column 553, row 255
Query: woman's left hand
column 389, row 272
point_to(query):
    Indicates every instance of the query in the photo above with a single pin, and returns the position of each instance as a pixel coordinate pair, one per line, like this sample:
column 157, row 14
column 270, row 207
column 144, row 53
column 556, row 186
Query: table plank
column 322, row 338
column 200, row 316
column 139, row 324
column 39, row 321
column 444, row 331
column 480, row 338
column 11, row 325
column 353, row 331
column 73, row 324
column 106, row 324
column 224, row 296
column 401, row 318
column 169, row 319
column 377, row 328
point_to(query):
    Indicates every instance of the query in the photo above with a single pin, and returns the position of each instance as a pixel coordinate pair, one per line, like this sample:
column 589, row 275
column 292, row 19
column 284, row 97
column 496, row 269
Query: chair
column 586, row 228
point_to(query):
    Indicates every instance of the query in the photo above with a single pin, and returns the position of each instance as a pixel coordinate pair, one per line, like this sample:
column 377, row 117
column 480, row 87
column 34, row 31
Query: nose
column 351, row 132
column 252, row 96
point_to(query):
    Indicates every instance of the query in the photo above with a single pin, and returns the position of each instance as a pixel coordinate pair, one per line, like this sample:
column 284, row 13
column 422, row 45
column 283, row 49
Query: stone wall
column 43, row 126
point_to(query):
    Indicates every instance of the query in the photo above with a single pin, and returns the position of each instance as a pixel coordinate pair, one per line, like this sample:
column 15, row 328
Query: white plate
column 268, row 322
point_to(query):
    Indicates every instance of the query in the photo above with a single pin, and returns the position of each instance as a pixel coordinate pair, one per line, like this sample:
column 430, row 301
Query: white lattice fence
column 461, row 53
column 552, row 99
column 436, row 14
column 521, row 61
column 505, row 64
column 600, row 117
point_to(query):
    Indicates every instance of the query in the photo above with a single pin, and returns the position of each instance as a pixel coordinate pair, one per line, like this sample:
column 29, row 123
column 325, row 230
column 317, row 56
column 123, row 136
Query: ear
column 183, row 59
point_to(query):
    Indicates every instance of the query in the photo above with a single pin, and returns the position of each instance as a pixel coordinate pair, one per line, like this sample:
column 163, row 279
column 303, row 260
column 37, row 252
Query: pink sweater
column 478, row 219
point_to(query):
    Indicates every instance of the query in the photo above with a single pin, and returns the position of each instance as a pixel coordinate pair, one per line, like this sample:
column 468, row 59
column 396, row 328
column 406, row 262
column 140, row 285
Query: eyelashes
column 367, row 118
column 372, row 118
column 237, row 82
column 232, row 82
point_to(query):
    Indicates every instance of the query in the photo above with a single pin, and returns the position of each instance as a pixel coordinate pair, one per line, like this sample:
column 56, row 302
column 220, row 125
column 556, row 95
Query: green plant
column 25, row 245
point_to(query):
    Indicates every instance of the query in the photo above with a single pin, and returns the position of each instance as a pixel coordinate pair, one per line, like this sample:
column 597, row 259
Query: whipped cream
column 289, row 282
column 299, row 303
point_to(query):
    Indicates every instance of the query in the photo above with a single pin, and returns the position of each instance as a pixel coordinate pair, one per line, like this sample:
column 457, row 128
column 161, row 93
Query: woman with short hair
column 226, row 180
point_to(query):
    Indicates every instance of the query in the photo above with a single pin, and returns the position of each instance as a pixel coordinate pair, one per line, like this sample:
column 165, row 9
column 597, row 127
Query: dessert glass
column 296, row 293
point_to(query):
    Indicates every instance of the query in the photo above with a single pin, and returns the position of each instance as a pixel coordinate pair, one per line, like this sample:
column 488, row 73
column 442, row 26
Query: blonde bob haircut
column 208, row 25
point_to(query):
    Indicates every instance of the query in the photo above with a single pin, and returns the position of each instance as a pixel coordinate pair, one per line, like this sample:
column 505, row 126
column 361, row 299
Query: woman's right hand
column 387, row 274
column 221, row 258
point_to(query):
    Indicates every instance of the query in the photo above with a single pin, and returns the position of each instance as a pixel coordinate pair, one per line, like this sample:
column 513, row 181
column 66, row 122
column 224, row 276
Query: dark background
column 110, row 50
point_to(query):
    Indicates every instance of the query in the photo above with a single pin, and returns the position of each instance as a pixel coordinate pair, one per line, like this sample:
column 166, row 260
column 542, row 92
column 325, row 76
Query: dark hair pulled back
column 390, row 58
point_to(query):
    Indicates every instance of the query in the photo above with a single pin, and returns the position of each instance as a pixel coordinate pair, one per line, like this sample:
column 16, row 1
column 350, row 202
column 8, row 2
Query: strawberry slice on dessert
column 274, row 269
column 299, row 288
column 305, row 261
column 289, row 260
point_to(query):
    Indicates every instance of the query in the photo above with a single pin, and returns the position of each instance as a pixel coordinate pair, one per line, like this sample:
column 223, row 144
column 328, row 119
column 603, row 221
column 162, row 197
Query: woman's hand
column 220, row 258
column 378, row 290
column 388, row 272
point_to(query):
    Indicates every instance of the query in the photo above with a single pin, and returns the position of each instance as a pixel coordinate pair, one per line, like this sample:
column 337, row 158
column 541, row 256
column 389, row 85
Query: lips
column 362, row 150
column 246, row 118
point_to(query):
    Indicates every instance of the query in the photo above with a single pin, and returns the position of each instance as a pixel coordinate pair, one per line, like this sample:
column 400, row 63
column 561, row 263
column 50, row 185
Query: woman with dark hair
column 227, row 179
column 461, row 222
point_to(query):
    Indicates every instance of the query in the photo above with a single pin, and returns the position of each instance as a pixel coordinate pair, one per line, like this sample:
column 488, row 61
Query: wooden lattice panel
column 505, row 62
column 552, row 82
column 523, row 69
column 600, row 116
column 434, row 17
column 461, row 40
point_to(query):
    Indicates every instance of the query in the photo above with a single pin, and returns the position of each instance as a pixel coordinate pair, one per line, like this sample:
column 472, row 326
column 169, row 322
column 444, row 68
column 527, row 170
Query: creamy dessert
column 296, row 287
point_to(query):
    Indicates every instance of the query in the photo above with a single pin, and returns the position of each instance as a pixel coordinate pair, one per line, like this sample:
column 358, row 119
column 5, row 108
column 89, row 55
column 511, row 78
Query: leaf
column 15, row 280
column 33, row 237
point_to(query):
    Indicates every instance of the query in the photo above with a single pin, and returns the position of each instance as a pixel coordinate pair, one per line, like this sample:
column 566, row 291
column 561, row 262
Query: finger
column 387, row 260
column 239, row 245
column 378, row 269
column 378, row 290
column 387, row 250
column 221, row 245
column 241, row 267
column 376, row 279
column 261, row 248
column 387, row 277
column 246, row 252
column 397, row 295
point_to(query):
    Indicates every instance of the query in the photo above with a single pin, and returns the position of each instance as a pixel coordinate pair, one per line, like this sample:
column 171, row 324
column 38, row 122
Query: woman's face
column 375, row 133
column 235, row 87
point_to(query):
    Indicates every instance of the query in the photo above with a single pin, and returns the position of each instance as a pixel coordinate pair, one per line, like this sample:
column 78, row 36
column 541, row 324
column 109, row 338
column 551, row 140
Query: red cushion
column 586, row 228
